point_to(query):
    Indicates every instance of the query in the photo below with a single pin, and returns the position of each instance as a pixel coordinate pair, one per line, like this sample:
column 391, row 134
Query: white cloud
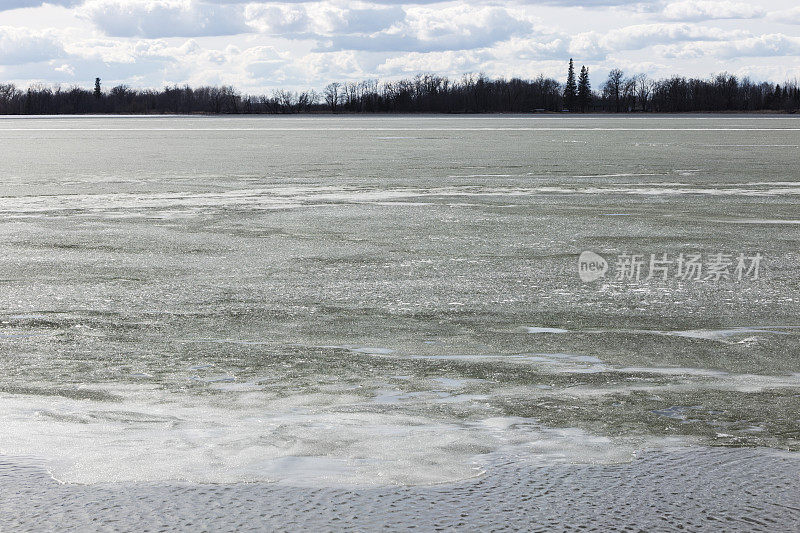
column 133, row 51
column 364, row 20
column 788, row 16
column 7, row 5
column 163, row 18
column 426, row 29
column 278, row 19
column 693, row 10
column 320, row 19
column 450, row 62
column 534, row 49
column 771, row 45
column 596, row 45
column 21, row 45
column 66, row 69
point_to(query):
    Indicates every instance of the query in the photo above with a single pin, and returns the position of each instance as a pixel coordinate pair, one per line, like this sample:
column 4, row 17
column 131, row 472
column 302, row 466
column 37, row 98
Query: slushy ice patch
column 313, row 439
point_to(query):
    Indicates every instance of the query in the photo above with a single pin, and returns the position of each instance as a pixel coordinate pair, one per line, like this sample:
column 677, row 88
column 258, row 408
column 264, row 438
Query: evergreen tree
column 571, row 89
column 97, row 92
column 584, row 90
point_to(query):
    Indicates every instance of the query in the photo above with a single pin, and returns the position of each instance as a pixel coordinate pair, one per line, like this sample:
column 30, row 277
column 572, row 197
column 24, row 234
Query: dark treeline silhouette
column 424, row 94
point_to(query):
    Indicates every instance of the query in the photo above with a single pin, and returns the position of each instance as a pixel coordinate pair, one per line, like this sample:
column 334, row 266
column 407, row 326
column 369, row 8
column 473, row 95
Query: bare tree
column 305, row 100
column 643, row 88
column 629, row 94
column 286, row 100
column 612, row 88
column 9, row 98
column 332, row 95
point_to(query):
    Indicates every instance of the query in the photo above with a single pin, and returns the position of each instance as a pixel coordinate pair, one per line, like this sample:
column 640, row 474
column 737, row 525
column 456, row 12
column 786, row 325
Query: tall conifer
column 584, row 90
column 571, row 89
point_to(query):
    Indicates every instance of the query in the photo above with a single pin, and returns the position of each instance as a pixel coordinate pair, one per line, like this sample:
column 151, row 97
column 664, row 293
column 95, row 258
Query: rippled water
column 394, row 301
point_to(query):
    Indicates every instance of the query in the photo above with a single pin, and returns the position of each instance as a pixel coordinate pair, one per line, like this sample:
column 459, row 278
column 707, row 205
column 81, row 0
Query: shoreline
column 704, row 488
column 560, row 114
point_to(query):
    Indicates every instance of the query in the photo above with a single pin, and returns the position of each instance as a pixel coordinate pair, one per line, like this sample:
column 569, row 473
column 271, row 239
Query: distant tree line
column 423, row 94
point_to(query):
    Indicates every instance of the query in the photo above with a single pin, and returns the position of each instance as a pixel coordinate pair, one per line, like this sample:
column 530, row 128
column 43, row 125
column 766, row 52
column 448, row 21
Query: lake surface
column 365, row 309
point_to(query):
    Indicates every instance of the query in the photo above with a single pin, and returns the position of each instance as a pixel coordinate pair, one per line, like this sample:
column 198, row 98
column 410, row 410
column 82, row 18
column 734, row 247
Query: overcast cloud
column 258, row 45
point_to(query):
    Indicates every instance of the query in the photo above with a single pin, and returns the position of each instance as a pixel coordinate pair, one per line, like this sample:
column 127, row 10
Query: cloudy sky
column 257, row 46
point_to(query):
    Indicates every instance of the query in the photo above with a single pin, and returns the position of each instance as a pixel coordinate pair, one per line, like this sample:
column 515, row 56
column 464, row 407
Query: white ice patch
column 738, row 334
column 725, row 334
column 535, row 329
column 371, row 350
column 765, row 221
column 189, row 204
column 311, row 439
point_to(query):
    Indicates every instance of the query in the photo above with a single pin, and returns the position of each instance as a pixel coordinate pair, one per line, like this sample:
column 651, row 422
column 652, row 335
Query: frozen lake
column 392, row 305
